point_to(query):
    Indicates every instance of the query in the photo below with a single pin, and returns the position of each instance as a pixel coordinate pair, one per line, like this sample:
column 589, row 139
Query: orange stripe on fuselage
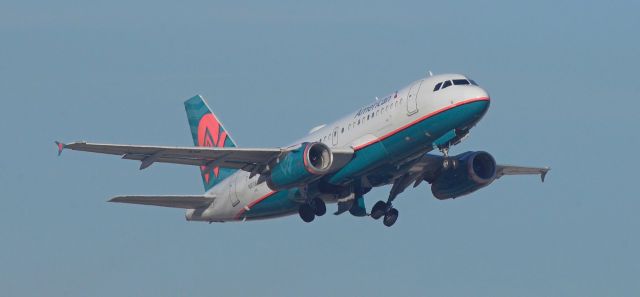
column 359, row 147
column 254, row 202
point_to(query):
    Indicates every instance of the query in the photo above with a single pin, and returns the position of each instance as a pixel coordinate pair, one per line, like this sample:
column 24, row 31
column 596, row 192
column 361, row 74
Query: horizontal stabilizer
column 176, row 201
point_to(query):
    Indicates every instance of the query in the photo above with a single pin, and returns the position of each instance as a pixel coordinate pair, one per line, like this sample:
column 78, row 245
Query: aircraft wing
column 428, row 167
column 502, row 170
column 181, row 201
column 249, row 159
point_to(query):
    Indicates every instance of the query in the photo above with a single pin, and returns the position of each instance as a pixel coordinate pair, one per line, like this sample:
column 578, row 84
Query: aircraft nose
column 481, row 95
column 473, row 103
column 476, row 93
column 472, row 94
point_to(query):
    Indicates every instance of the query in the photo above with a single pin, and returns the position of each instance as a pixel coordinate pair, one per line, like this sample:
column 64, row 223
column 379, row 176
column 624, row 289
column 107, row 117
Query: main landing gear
column 309, row 211
column 385, row 209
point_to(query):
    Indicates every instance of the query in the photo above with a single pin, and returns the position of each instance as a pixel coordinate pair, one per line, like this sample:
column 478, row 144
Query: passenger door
column 233, row 190
column 412, row 98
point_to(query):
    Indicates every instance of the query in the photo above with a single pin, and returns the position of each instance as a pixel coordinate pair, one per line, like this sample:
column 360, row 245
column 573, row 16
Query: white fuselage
column 238, row 193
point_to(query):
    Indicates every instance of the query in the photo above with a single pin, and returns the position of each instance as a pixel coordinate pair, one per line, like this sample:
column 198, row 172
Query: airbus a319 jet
column 387, row 142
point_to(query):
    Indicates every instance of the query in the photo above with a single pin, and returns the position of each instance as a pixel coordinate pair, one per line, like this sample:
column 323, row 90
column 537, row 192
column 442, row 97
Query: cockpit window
column 459, row 82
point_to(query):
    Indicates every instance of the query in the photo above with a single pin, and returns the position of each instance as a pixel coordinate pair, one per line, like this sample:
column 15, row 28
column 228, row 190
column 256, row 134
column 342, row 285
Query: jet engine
column 301, row 165
column 464, row 174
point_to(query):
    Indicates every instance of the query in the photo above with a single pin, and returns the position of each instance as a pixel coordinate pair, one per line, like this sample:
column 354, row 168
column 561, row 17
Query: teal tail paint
column 207, row 130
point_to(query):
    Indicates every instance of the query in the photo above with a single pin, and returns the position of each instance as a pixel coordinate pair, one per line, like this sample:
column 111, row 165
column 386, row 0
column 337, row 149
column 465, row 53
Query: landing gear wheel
column 390, row 217
column 307, row 213
column 378, row 210
column 319, row 207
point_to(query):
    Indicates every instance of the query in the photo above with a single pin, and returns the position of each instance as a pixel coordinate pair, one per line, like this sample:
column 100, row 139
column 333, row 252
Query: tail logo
column 210, row 134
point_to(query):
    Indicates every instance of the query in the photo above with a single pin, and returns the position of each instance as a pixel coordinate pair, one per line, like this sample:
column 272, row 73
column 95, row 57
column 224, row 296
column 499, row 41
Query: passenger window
column 459, row 82
column 437, row 86
column 446, row 84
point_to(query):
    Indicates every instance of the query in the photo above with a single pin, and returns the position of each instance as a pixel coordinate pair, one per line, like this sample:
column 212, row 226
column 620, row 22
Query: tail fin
column 207, row 130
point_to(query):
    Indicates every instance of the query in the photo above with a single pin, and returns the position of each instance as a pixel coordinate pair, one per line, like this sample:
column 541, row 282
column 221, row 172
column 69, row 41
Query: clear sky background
column 563, row 80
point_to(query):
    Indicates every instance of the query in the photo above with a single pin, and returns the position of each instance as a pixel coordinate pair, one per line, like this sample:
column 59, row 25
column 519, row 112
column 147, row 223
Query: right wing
column 502, row 170
column 429, row 165
column 253, row 160
column 176, row 201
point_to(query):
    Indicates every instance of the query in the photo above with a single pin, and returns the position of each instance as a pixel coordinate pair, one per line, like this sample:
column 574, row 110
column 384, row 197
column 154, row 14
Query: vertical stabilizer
column 207, row 130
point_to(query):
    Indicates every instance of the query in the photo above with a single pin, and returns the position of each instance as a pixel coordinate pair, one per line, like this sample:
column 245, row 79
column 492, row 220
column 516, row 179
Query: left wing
column 248, row 159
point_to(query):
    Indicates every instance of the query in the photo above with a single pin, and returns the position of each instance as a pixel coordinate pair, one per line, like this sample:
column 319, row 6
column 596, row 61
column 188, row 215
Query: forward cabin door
column 334, row 138
column 233, row 190
column 412, row 98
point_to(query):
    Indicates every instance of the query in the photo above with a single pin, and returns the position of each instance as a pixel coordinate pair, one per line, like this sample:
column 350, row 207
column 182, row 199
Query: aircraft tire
column 320, row 208
column 390, row 217
column 378, row 210
column 307, row 213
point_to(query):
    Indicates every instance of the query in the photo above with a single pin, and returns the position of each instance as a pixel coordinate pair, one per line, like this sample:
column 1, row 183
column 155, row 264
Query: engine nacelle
column 299, row 166
column 465, row 173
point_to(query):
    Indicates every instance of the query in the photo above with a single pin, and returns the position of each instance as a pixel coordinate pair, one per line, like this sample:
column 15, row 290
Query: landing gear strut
column 308, row 211
column 446, row 162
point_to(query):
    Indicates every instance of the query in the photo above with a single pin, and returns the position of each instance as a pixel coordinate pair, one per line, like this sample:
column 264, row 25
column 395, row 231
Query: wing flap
column 175, row 201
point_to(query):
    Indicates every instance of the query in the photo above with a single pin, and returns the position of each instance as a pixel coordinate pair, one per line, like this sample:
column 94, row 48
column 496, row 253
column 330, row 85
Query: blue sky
column 562, row 76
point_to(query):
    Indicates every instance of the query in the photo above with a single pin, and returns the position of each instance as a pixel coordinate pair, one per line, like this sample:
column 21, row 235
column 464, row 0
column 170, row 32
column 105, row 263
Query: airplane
column 387, row 142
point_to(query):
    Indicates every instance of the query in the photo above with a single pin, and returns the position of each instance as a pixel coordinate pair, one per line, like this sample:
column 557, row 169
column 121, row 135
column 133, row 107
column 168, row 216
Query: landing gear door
column 412, row 98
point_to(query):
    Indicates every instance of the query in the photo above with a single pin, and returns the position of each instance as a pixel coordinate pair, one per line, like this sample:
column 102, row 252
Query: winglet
column 60, row 146
column 543, row 173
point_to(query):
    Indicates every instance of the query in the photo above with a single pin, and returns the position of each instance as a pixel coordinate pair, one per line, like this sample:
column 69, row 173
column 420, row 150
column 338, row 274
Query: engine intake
column 471, row 171
column 301, row 165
